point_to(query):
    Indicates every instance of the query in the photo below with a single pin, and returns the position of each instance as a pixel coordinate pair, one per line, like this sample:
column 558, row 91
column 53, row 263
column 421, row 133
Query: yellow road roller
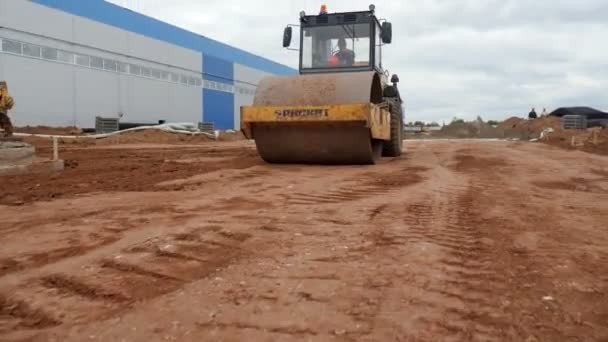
column 340, row 108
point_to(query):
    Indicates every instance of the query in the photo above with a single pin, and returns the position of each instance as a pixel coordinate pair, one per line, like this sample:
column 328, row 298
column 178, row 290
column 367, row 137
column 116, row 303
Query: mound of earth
column 467, row 130
column 152, row 136
column 593, row 140
column 515, row 127
column 231, row 136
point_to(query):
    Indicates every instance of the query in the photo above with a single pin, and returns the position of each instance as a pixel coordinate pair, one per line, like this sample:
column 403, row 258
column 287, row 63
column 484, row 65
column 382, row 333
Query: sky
column 454, row 58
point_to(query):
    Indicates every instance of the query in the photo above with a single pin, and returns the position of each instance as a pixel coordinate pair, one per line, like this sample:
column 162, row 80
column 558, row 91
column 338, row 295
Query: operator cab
column 340, row 42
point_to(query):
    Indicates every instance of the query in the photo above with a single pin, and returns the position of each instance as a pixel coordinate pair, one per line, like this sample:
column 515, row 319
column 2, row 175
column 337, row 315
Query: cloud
column 493, row 58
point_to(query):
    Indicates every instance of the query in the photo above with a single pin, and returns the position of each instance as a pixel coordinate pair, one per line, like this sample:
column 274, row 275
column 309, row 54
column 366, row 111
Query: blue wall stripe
column 110, row 14
column 218, row 107
column 219, row 70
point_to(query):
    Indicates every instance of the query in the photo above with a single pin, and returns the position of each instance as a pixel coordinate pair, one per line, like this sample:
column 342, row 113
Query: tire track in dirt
column 17, row 314
column 468, row 274
column 35, row 260
column 468, row 263
column 73, row 286
column 368, row 185
column 140, row 272
column 449, row 294
column 451, row 222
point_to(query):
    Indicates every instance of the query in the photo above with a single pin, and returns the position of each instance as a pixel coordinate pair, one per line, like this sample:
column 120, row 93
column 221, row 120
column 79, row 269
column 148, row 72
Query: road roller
column 340, row 108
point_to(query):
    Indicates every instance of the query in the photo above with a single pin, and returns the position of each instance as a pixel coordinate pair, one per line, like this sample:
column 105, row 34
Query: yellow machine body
column 334, row 118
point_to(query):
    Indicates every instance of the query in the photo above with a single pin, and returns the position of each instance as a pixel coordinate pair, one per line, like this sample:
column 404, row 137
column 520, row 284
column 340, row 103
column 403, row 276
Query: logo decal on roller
column 296, row 113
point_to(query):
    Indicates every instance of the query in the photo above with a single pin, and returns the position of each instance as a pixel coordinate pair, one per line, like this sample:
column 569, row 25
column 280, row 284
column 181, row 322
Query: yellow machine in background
column 340, row 109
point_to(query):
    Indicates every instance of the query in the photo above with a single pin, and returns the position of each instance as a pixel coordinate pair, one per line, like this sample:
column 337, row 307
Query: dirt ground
column 455, row 241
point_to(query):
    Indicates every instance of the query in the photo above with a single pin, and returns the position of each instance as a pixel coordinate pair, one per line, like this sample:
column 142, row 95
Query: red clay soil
column 529, row 128
column 454, row 241
column 153, row 136
column 231, row 136
column 90, row 169
column 594, row 140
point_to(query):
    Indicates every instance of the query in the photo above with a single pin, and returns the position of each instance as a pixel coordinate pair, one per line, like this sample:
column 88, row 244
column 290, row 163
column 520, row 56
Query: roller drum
column 325, row 142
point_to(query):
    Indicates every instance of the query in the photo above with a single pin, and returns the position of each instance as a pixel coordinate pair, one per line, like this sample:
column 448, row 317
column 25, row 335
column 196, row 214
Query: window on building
column 110, row 65
column 96, row 62
column 31, row 50
column 66, row 57
column 145, row 72
column 11, row 46
column 183, row 79
column 49, row 53
column 134, row 69
column 191, row 81
column 155, row 73
column 174, row 77
column 199, row 82
column 123, row 67
column 83, row 60
column 164, row 75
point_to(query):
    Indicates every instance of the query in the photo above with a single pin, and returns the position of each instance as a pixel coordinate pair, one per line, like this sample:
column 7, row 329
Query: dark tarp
column 588, row 112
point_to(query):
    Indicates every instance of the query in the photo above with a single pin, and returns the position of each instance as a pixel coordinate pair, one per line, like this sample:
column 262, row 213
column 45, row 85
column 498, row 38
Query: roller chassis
column 329, row 115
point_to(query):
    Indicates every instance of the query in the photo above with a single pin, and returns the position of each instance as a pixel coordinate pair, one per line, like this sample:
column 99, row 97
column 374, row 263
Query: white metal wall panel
column 162, row 52
column 100, row 36
column 185, row 105
column 245, row 77
column 249, row 75
column 59, row 94
column 29, row 17
column 43, row 91
column 48, row 22
column 150, row 102
column 97, row 93
column 105, row 37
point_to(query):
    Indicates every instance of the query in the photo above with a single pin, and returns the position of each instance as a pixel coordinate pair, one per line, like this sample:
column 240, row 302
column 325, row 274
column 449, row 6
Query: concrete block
column 15, row 150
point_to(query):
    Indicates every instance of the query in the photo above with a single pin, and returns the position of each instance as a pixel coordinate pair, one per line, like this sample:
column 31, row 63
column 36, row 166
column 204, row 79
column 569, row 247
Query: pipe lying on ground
column 164, row 127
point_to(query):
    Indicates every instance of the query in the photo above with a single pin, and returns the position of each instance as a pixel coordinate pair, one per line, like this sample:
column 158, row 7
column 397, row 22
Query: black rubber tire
column 394, row 147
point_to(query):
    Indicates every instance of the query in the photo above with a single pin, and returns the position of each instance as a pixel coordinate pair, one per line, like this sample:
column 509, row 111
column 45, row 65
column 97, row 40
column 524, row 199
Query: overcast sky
column 493, row 58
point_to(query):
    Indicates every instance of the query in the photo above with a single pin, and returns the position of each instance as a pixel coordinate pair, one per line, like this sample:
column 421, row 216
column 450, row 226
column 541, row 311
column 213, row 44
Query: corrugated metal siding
column 125, row 19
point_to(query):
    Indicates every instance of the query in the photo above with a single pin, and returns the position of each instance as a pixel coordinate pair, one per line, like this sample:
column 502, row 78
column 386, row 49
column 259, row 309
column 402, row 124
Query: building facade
column 68, row 61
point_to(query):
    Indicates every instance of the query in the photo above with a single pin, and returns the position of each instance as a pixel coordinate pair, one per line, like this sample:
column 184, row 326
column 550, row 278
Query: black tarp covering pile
column 588, row 112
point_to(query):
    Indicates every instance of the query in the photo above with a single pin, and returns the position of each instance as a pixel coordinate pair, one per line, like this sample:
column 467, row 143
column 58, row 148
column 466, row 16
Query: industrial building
column 68, row 61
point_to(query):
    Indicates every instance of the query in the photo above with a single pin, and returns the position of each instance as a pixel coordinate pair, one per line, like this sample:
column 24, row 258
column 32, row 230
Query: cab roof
column 340, row 18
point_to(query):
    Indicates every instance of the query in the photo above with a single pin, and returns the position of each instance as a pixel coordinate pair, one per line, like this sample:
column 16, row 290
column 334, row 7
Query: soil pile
column 231, row 136
column 152, row 136
column 467, row 130
column 593, row 140
column 130, row 169
column 515, row 127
